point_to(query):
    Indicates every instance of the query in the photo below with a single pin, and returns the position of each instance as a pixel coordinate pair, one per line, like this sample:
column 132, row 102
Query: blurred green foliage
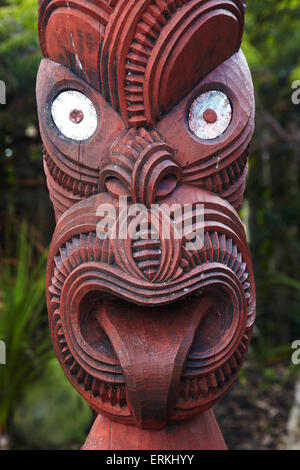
column 19, row 59
column 38, row 406
column 51, row 414
column 23, row 324
column 21, row 170
column 272, row 46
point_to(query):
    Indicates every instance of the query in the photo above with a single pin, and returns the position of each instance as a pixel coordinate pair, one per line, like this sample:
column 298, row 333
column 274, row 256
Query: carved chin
column 108, row 296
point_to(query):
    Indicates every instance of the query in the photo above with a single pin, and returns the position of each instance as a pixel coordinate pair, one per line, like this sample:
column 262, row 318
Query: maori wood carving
column 147, row 102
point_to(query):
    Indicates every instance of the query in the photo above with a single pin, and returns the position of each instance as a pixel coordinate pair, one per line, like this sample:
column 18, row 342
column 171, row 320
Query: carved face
column 151, row 101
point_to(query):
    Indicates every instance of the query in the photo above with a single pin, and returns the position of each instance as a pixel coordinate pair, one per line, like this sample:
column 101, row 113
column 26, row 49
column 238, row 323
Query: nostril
column 116, row 187
column 166, row 186
column 140, row 166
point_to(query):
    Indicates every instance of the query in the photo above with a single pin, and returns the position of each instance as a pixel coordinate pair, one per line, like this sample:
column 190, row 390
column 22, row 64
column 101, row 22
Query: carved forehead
column 144, row 56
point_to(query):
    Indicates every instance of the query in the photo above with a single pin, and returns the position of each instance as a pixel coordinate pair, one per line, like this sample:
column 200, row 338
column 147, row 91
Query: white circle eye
column 210, row 115
column 74, row 115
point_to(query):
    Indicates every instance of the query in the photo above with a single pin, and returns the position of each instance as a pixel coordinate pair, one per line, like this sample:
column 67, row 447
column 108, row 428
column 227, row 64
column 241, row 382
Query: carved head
column 148, row 102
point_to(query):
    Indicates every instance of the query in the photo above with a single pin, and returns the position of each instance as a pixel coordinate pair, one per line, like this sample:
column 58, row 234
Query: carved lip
column 197, row 386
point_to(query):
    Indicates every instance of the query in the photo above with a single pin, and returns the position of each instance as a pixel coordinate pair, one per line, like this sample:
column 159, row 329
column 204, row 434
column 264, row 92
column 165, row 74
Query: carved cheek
column 104, row 344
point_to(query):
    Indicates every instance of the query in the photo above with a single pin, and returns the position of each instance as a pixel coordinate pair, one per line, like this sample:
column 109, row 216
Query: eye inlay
column 210, row 115
column 74, row 115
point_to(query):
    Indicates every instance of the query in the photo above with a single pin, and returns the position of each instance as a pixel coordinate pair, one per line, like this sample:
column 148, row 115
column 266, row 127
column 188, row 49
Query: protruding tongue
column 152, row 346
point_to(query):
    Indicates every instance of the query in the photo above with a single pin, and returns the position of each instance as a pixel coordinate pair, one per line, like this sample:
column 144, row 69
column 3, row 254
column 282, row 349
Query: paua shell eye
column 74, row 115
column 210, row 115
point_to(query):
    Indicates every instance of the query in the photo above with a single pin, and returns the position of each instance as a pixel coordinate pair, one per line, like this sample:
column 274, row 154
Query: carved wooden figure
column 147, row 104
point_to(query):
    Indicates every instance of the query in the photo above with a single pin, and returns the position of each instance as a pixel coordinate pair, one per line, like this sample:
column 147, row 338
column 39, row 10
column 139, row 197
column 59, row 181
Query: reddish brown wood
column 200, row 433
column 150, row 331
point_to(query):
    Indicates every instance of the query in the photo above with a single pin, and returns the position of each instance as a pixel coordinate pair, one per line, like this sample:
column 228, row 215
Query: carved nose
column 152, row 350
column 140, row 166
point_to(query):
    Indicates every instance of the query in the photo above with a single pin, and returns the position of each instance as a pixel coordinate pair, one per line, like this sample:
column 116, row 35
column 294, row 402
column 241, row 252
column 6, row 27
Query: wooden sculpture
column 147, row 104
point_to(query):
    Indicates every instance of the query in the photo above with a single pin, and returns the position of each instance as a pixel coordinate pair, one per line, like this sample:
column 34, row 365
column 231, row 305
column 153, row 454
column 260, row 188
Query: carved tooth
column 69, row 359
column 91, row 242
column 238, row 262
column 74, row 368
column 103, row 391
column 194, row 392
column 217, row 183
column 244, row 277
column 87, row 383
column 233, row 363
column 233, row 256
column 225, row 179
column 203, row 386
column 87, row 190
column 228, row 250
column 53, row 290
column 81, row 376
column 83, row 247
column 231, row 175
column 67, row 267
column 242, row 348
column 155, row 11
column 109, row 389
column 59, row 275
column 114, row 397
column 221, row 377
column 58, row 262
column 227, row 369
column 135, row 90
column 135, row 68
column 95, row 388
column 76, row 249
column 138, row 120
column 238, row 356
column 137, row 59
column 151, row 21
column 212, row 381
column 185, row 390
column 56, row 283
column 121, row 395
column 56, row 318
column 208, row 246
column 55, row 172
